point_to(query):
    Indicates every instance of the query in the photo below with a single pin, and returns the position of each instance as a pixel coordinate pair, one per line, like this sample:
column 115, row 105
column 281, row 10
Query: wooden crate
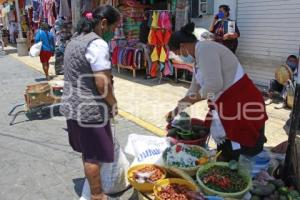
column 37, row 95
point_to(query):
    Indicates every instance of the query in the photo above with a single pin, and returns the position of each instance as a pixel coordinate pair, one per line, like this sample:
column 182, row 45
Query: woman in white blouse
column 237, row 113
column 88, row 101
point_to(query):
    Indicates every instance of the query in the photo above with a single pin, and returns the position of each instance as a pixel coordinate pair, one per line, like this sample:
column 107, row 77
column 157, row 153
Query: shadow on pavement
column 40, row 80
column 141, row 79
column 10, row 51
column 78, row 185
column 41, row 113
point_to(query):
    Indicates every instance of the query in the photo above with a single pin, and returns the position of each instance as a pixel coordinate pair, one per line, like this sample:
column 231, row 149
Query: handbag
column 35, row 50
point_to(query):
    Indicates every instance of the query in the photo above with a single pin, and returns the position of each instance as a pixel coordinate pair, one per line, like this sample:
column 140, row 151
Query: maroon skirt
column 95, row 142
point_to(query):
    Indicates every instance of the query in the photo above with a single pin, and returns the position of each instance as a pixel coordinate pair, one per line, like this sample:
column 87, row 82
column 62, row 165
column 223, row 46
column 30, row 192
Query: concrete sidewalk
column 147, row 102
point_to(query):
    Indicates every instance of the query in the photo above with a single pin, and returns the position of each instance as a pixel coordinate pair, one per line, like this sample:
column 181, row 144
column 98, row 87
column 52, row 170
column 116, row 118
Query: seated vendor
column 281, row 89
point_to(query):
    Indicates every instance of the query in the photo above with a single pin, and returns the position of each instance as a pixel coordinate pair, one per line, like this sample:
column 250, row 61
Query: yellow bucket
column 165, row 182
column 143, row 187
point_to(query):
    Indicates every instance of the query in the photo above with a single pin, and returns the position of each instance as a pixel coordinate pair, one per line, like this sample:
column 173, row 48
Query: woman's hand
column 114, row 111
column 171, row 115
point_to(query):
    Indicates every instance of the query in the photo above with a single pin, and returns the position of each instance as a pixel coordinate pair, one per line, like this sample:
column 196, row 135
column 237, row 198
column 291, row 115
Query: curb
column 140, row 122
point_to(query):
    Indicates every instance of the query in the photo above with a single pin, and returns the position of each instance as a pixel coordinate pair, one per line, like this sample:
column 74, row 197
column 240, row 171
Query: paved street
column 36, row 161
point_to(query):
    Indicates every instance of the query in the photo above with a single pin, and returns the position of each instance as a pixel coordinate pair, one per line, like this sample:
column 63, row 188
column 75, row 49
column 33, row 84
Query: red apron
column 241, row 109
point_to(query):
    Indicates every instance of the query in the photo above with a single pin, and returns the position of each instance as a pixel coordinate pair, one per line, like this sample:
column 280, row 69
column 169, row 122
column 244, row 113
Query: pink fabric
column 164, row 21
column 48, row 11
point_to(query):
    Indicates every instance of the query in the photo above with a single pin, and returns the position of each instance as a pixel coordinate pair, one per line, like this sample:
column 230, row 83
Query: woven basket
column 283, row 73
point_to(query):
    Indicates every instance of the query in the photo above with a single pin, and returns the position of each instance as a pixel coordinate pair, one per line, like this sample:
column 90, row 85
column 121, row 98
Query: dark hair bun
column 188, row 28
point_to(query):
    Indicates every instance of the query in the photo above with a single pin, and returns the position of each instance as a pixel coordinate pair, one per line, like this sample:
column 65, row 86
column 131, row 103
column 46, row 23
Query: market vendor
column 237, row 112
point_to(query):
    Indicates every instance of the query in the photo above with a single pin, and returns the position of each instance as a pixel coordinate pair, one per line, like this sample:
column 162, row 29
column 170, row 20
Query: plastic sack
column 113, row 175
column 35, row 50
column 146, row 149
column 217, row 130
column 254, row 165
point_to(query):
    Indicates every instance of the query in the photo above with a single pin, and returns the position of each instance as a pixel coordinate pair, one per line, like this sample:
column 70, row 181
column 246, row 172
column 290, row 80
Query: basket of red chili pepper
column 176, row 189
column 219, row 179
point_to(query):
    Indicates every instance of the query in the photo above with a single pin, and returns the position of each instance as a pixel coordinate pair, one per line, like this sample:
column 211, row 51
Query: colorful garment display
column 128, row 56
column 48, row 7
column 158, row 37
column 133, row 16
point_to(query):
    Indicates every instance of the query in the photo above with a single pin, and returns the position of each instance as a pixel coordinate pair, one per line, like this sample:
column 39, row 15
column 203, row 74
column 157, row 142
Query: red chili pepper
column 178, row 148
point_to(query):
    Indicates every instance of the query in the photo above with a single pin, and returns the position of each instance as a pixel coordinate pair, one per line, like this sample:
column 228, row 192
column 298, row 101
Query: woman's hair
column 292, row 56
column 185, row 35
column 90, row 20
column 226, row 8
column 44, row 26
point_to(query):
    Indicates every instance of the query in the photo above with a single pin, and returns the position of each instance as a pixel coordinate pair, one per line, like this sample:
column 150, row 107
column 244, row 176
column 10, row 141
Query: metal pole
column 19, row 18
column 288, row 171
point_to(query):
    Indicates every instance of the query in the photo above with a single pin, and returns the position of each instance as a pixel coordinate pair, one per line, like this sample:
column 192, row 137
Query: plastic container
column 143, row 187
column 254, row 165
column 200, row 141
column 209, row 191
column 165, row 182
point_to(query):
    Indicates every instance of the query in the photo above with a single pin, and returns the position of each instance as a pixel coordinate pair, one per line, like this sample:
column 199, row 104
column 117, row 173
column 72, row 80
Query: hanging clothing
column 49, row 5
column 153, row 70
column 12, row 16
column 182, row 13
column 128, row 56
column 64, row 9
column 158, row 37
column 87, row 5
column 155, row 16
column 76, row 14
column 164, row 20
column 36, row 10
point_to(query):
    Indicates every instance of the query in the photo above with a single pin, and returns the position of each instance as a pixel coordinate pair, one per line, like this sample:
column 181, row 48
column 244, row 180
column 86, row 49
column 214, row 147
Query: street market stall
column 164, row 169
